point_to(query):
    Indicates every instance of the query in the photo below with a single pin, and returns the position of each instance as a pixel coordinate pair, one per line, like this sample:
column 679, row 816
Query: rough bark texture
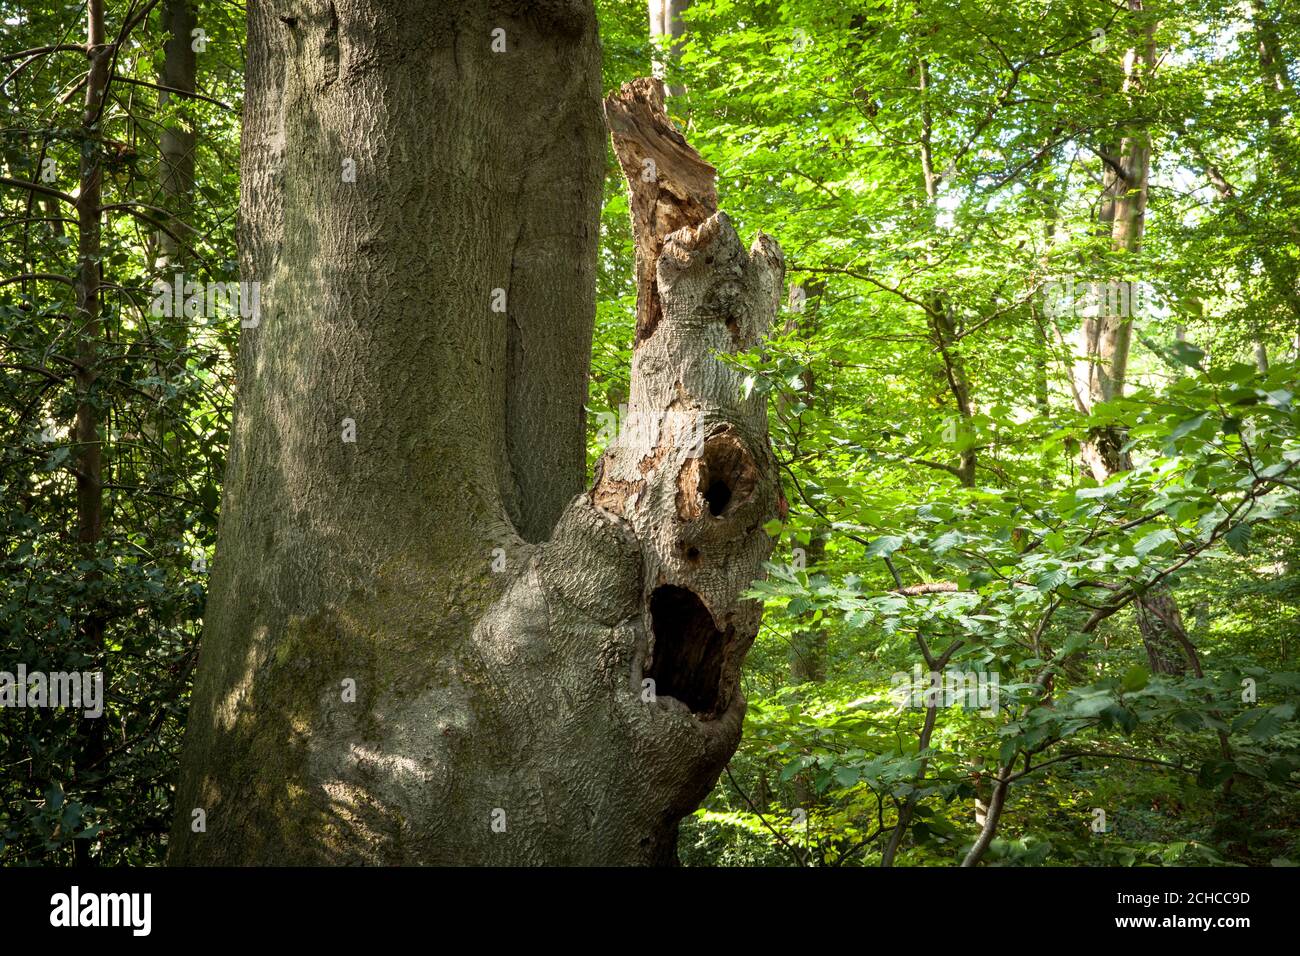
column 500, row 713
column 692, row 472
column 1169, row 649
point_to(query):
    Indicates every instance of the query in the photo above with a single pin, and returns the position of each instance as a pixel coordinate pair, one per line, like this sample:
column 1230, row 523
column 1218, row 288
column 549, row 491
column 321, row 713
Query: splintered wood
column 669, row 185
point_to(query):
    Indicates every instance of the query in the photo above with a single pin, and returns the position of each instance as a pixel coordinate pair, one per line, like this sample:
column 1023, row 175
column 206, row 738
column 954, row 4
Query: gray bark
column 1100, row 373
column 666, row 22
column 500, row 715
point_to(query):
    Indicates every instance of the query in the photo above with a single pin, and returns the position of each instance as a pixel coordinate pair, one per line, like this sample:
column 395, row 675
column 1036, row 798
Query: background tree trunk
column 666, row 22
column 177, row 140
column 808, row 644
column 88, row 426
column 939, row 317
column 1103, row 364
column 501, row 712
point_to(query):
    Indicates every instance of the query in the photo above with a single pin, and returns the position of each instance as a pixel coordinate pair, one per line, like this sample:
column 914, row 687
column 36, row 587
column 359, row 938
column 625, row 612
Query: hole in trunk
column 718, row 494
column 688, row 649
column 721, row 480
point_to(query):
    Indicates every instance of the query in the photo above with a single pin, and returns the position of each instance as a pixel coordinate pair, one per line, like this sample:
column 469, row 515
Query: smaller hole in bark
column 718, row 495
column 727, row 477
column 692, row 554
column 720, row 481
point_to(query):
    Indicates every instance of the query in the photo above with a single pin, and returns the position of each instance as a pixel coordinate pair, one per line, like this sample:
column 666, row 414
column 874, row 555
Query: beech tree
column 1014, row 233
column 424, row 643
column 1099, row 373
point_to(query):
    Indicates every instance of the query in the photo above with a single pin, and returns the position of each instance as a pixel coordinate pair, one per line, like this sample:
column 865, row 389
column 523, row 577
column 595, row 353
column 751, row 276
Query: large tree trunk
column 498, row 628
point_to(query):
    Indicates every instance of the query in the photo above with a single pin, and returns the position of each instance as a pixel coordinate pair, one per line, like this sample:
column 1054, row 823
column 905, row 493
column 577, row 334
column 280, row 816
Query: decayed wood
column 692, row 472
column 669, row 184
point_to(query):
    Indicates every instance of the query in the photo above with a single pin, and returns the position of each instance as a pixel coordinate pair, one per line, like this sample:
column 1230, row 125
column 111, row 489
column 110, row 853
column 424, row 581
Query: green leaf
column 1238, row 538
column 1185, row 353
column 1121, row 716
column 1267, row 726
column 1187, row 427
column 1215, row 772
column 1152, row 541
column 795, row 766
column 1281, row 398
column 884, row 546
column 1135, row 678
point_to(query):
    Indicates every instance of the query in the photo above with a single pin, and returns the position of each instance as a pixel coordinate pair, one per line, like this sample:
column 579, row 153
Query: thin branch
column 172, row 89
column 38, row 188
